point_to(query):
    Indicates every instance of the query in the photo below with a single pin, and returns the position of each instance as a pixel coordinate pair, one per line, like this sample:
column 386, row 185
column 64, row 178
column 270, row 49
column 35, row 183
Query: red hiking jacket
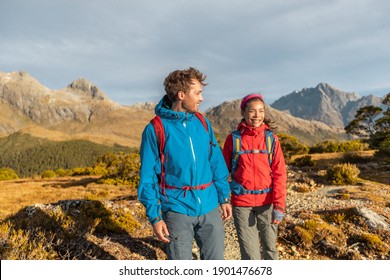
column 254, row 171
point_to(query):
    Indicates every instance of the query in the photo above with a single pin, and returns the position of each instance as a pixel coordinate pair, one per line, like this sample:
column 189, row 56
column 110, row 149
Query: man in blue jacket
column 182, row 194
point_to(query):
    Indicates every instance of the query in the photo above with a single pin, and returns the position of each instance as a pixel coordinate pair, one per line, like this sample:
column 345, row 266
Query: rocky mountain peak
column 323, row 86
column 332, row 91
column 21, row 78
column 85, row 86
column 323, row 103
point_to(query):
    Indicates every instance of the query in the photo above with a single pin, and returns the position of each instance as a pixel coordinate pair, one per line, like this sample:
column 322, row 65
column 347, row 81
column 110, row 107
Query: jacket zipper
column 194, row 158
column 253, row 161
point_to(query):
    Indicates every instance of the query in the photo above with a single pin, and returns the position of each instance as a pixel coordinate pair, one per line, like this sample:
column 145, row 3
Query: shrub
column 88, row 171
column 384, row 149
column 337, row 218
column 60, row 172
column 334, row 147
column 304, row 161
column 343, row 174
column 80, row 171
column 301, row 188
column 49, row 174
column 313, row 232
column 99, row 169
column 17, row 244
column 344, row 196
column 60, row 231
column 291, row 146
column 122, row 169
column 8, row 174
column 352, row 146
column 373, row 242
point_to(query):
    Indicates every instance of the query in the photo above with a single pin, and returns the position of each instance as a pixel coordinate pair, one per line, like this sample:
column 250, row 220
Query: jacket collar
column 249, row 130
column 163, row 109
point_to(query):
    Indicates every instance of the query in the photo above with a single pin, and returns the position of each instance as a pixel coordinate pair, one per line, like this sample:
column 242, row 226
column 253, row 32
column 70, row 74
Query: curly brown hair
column 180, row 80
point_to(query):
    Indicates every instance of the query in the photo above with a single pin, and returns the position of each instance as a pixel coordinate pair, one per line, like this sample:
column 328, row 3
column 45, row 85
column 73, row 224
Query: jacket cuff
column 277, row 215
column 155, row 220
column 278, row 208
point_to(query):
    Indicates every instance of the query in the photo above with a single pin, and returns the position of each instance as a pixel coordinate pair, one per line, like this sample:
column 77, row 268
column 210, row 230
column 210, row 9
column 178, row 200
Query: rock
column 374, row 220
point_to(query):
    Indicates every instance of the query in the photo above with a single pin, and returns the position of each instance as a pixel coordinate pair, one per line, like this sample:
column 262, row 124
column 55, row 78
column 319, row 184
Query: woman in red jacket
column 258, row 172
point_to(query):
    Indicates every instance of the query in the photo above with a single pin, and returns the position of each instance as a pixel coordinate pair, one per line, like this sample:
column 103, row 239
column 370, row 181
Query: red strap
column 189, row 188
column 202, row 120
column 160, row 134
column 160, row 137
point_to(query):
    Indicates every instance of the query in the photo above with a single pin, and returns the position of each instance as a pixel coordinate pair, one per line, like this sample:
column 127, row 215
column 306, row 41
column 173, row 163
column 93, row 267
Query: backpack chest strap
column 254, row 151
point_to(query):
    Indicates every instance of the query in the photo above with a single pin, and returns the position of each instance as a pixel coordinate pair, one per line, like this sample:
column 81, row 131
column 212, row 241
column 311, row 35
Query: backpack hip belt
column 189, row 188
column 238, row 189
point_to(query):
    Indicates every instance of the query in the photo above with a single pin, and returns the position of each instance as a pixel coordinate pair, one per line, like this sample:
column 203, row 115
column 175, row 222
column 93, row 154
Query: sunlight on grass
column 17, row 194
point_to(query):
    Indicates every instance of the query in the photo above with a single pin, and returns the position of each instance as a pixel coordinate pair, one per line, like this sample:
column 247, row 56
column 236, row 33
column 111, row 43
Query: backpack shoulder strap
column 236, row 138
column 270, row 144
column 160, row 137
column 160, row 133
column 202, row 120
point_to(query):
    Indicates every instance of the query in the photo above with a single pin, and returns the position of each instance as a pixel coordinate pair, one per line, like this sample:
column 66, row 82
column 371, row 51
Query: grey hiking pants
column 207, row 230
column 256, row 233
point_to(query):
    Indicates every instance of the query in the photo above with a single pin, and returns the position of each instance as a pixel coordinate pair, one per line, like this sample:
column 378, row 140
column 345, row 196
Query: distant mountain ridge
column 324, row 103
column 226, row 116
column 79, row 111
column 82, row 111
column 77, row 102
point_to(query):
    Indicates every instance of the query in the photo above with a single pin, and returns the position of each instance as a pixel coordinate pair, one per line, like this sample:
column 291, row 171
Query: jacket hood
column 163, row 109
column 246, row 129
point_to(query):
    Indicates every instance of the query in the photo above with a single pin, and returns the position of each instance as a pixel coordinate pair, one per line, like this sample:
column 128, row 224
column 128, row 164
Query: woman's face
column 254, row 113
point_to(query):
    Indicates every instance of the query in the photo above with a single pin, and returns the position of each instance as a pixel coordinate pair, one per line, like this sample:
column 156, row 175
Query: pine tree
column 374, row 123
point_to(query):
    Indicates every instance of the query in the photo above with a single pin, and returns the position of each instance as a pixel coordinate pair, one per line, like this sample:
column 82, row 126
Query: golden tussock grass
column 17, row 194
column 325, row 159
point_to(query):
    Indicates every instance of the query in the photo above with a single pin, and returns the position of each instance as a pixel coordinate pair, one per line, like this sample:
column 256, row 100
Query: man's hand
column 226, row 211
column 161, row 230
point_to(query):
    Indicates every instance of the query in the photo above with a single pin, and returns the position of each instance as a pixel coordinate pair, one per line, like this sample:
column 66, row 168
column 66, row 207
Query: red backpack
column 160, row 136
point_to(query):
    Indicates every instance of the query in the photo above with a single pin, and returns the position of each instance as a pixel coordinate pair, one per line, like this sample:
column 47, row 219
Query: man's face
column 254, row 113
column 193, row 97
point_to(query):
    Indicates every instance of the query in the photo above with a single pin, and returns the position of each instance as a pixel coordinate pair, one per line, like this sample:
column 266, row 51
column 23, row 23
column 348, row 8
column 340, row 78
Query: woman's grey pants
column 207, row 230
column 252, row 224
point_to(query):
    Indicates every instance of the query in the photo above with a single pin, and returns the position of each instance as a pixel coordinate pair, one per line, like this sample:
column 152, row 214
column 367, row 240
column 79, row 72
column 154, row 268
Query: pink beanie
column 249, row 97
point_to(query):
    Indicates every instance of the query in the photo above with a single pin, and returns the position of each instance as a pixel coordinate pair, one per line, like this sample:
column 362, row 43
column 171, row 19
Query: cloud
column 128, row 47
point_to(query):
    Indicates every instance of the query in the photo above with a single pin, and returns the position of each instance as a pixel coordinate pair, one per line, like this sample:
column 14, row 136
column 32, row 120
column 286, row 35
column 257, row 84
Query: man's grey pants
column 252, row 224
column 207, row 230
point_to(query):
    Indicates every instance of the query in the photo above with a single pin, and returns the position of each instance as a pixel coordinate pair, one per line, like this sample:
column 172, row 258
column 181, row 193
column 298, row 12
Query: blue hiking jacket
column 190, row 160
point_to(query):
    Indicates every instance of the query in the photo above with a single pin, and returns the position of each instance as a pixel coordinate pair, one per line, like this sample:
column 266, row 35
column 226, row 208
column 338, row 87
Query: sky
column 128, row 47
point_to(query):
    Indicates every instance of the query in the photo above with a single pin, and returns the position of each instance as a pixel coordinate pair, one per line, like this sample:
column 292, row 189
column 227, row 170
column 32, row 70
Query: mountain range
column 226, row 116
column 79, row 111
column 82, row 111
column 325, row 103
